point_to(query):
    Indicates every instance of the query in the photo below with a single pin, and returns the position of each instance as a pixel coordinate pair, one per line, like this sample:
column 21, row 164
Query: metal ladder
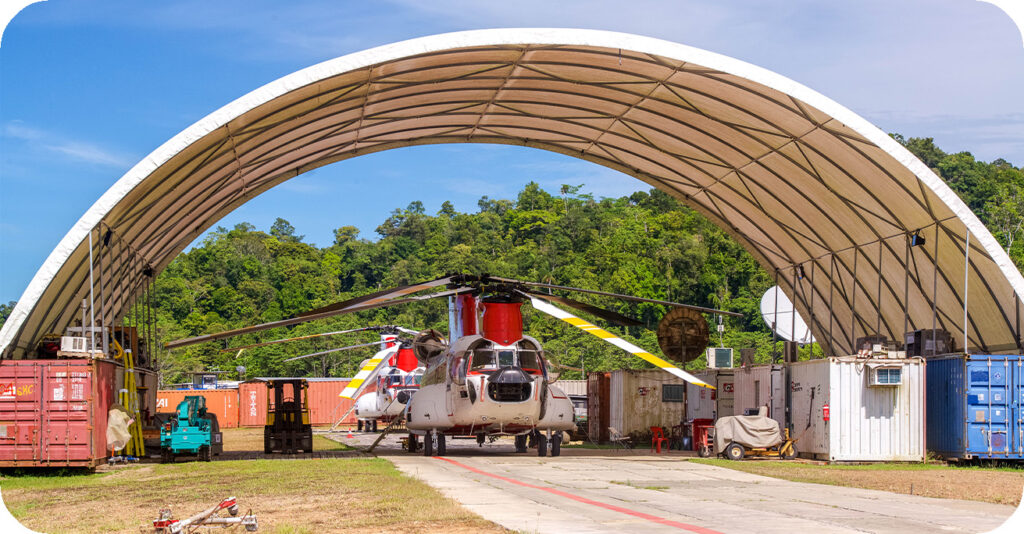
column 129, row 398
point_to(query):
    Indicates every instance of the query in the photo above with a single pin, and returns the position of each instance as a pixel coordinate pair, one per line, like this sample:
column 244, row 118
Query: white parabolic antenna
column 777, row 310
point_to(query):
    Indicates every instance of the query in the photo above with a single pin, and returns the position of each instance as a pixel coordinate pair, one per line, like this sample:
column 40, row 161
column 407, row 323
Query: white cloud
column 71, row 149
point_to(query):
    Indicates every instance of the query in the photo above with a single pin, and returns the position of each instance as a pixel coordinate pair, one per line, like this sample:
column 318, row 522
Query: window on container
column 672, row 392
column 891, row 375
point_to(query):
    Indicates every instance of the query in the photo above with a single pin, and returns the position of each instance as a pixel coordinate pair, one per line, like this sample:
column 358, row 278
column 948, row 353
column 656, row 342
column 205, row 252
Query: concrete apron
column 609, row 494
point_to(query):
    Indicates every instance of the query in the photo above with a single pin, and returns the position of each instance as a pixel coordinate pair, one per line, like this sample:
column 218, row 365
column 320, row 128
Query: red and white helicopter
column 393, row 369
column 491, row 379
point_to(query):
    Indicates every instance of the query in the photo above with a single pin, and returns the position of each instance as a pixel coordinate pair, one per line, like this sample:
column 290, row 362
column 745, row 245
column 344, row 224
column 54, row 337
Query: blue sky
column 88, row 88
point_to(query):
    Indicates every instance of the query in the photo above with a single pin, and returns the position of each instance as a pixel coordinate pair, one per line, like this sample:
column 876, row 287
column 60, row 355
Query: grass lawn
column 287, row 496
column 1000, row 485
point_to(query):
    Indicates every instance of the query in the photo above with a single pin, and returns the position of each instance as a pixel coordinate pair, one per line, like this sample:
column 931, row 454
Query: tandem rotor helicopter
column 489, row 378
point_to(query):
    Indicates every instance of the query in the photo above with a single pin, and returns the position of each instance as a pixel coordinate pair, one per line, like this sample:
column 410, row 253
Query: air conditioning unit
column 886, row 376
column 719, row 358
column 74, row 344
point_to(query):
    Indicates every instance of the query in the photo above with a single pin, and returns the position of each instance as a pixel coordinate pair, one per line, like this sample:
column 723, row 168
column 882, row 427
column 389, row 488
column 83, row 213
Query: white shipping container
column 639, row 400
column 840, row 415
column 760, row 386
column 704, row 403
column 572, row 387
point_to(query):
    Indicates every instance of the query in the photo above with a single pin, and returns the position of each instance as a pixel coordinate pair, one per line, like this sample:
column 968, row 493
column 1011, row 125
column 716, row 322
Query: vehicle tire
column 442, row 448
column 791, row 453
column 411, row 447
column 734, row 451
column 521, row 443
column 542, row 445
column 556, row 445
column 374, row 425
column 205, row 453
column 359, row 425
column 428, row 444
column 165, row 456
column 704, row 451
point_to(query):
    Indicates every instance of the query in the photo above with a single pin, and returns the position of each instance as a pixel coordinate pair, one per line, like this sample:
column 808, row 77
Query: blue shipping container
column 975, row 407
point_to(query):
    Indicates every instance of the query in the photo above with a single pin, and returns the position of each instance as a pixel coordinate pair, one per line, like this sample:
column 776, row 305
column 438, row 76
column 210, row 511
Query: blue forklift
column 190, row 431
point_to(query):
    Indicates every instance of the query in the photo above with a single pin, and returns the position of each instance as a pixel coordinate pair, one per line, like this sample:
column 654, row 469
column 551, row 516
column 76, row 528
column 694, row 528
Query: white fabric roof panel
column 794, row 177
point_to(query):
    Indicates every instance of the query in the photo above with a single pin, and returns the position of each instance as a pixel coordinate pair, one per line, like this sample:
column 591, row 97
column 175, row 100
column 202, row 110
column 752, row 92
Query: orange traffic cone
column 350, row 436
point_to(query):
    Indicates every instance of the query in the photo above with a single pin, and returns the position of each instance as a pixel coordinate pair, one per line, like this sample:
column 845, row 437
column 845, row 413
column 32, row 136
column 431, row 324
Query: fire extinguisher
column 825, row 412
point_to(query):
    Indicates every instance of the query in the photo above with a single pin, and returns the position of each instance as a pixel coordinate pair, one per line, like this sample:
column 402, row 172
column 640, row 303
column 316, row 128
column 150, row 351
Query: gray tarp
column 751, row 431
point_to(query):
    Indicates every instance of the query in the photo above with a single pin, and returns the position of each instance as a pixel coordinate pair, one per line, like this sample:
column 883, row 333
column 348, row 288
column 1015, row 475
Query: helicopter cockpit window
column 396, row 380
column 529, row 358
column 482, row 359
column 506, row 358
column 413, row 380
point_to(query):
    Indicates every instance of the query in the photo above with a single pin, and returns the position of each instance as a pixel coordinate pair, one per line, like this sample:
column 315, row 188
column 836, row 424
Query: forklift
column 190, row 431
column 288, row 429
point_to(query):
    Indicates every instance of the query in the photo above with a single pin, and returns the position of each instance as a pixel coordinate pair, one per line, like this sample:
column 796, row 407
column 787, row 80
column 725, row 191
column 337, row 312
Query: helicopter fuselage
column 479, row 386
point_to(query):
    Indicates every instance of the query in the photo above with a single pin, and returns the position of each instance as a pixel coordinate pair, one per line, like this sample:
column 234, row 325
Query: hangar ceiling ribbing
column 805, row 185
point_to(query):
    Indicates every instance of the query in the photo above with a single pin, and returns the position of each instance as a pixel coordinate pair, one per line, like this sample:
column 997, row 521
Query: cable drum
column 683, row 334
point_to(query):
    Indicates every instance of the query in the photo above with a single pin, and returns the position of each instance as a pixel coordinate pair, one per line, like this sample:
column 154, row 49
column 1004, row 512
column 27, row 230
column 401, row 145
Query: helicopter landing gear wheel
column 442, row 449
column 556, row 444
column 411, row 443
column 375, row 426
column 521, row 443
column 359, row 425
column 428, row 443
column 542, row 445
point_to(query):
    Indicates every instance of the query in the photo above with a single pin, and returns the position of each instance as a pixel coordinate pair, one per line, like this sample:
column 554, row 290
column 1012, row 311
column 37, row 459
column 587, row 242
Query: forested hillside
column 647, row 245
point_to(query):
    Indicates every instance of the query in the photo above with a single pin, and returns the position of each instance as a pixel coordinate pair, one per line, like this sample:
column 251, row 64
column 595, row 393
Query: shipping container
column 859, row 409
column 639, row 400
column 223, row 402
column 54, row 412
column 572, row 387
column 705, row 403
column 976, row 407
column 326, row 405
column 760, row 386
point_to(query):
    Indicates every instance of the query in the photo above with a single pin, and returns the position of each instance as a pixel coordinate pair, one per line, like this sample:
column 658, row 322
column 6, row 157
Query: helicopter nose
column 510, row 384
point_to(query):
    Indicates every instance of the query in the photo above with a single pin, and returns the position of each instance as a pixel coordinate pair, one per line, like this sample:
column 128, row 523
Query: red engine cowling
column 502, row 322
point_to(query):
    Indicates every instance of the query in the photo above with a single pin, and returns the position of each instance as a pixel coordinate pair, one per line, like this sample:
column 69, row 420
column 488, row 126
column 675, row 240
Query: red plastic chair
column 657, row 438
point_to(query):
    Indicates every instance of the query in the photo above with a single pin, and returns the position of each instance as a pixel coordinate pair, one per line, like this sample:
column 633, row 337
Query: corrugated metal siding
column 946, row 400
column 809, row 384
column 223, row 402
column 760, row 386
column 876, row 423
column 325, row 403
column 573, row 387
column 598, row 400
column 637, row 401
column 615, row 395
column 704, row 403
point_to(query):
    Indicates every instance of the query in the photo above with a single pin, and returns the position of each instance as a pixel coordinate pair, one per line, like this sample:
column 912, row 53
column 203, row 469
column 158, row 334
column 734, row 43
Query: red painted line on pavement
column 612, row 507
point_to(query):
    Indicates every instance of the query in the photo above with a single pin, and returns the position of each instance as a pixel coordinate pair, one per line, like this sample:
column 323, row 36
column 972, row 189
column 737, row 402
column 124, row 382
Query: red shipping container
column 223, row 402
column 325, row 402
column 54, row 412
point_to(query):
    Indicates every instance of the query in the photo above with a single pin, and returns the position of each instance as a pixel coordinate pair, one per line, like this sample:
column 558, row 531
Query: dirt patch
column 293, row 496
column 1000, row 486
column 247, row 439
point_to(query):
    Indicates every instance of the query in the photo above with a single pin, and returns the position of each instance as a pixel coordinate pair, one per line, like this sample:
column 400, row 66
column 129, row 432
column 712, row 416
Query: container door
column 988, row 403
column 20, row 415
column 66, row 396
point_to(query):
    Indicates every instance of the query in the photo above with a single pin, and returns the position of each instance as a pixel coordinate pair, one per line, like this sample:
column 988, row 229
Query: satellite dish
column 781, row 315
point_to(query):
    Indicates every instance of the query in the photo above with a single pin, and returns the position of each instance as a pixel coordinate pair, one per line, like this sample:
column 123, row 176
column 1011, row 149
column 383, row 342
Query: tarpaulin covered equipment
column 751, row 431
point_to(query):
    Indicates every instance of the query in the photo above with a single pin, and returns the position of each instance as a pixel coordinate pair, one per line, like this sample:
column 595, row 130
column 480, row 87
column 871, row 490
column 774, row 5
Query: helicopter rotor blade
column 366, row 374
column 607, row 315
column 558, row 313
column 299, row 338
column 616, row 295
column 380, row 296
column 328, row 351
